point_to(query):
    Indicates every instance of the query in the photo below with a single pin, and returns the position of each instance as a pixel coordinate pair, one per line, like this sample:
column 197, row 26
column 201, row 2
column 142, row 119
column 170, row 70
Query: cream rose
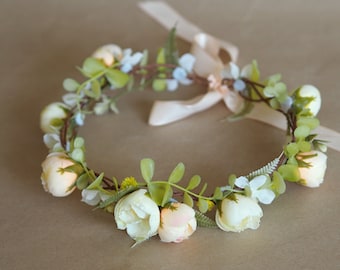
column 138, row 214
column 108, row 53
column 51, row 115
column 314, row 175
column 236, row 216
column 312, row 92
column 178, row 222
column 54, row 181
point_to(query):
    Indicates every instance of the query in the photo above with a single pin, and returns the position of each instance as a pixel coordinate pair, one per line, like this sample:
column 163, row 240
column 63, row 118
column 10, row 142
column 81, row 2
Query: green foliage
column 92, row 67
column 310, row 122
column 177, row 174
column 301, row 132
column 116, row 196
column 96, row 184
column 159, row 85
column 267, row 169
column 204, row 221
column 203, row 205
column 117, row 78
column 70, row 85
column 83, row 181
column 170, row 48
column 187, row 199
column 147, row 167
column 194, row 182
column 289, row 172
column 278, row 184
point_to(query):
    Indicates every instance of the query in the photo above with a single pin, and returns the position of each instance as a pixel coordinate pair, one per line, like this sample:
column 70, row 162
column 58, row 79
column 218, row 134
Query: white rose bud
column 312, row 92
column 108, row 54
column 178, row 222
column 51, row 117
column 314, row 175
column 53, row 179
column 138, row 214
column 236, row 216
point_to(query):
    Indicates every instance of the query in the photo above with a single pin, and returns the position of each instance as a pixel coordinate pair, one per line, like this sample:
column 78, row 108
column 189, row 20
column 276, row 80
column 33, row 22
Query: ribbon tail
column 264, row 114
column 165, row 112
column 169, row 17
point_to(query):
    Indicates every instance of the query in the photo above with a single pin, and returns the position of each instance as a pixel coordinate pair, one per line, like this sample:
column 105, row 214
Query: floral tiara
column 173, row 208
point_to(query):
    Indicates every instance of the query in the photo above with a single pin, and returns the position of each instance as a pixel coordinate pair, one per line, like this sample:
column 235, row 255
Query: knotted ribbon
column 206, row 50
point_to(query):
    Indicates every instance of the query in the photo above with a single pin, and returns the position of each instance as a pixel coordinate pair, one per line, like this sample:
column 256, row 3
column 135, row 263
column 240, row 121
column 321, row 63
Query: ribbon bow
column 206, row 50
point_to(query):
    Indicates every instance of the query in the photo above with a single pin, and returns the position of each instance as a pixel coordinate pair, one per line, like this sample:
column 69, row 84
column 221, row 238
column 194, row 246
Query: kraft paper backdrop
column 43, row 41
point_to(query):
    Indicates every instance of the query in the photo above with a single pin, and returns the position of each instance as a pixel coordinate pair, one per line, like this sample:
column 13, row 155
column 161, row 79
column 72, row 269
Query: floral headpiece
column 173, row 209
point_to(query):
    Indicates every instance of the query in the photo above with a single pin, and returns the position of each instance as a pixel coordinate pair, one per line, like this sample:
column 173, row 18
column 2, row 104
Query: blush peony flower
column 138, row 214
column 53, row 179
column 314, row 175
column 51, row 116
column 236, row 216
column 178, row 222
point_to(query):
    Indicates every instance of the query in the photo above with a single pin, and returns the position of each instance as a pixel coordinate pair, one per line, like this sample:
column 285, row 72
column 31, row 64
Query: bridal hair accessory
column 172, row 208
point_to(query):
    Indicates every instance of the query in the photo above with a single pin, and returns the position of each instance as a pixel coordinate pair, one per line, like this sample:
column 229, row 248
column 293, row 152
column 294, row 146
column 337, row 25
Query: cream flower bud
column 312, row 92
column 53, row 179
column 178, row 222
column 236, row 216
column 314, row 175
column 138, row 214
column 51, row 117
column 108, row 53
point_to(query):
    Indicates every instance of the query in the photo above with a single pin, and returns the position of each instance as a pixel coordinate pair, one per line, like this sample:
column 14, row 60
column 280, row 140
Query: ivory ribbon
column 206, row 49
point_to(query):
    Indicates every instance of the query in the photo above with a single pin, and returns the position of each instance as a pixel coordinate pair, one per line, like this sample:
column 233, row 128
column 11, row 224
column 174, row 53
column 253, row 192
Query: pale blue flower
column 79, row 118
column 129, row 60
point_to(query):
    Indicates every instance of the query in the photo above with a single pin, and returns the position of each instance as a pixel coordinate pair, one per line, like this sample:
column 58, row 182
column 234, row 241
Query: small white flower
column 264, row 195
column 236, row 216
column 186, row 64
column 79, row 118
column 93, row 197
column 314, row 175
column 138, row 214
column 52, row 141
column 287, row 104
column 172, row 84
column 129, row 60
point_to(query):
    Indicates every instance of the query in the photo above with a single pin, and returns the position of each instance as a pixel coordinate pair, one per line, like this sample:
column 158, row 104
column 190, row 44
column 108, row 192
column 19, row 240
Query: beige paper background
column 42, row 42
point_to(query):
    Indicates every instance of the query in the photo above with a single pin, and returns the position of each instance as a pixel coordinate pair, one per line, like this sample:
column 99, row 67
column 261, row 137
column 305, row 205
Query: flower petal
column 187, row 61
column 265, row 196
column 242, row 182
column 234, row 70
column 257, row 182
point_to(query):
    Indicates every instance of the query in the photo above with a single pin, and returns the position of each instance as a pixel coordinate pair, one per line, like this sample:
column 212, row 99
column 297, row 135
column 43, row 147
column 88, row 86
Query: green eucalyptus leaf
column 70, row 85
column 92, row 66
column 97, row 182
column 203, row 205
column 278, row 183
column 78, row 155
column 167, row 195
column 289, row 172
column 159, row 85
column 304, row 146
column 301, row 132
column 117, row 78
column 158, row 191
column 218, row 194
column 255, row 72
column 194, row 182
column 188, row 200
column 292, row 149
column 96, row 90
column 310, row 122
column 147, row 167
column 79, row 142
column 82, row 181
column 177, row 174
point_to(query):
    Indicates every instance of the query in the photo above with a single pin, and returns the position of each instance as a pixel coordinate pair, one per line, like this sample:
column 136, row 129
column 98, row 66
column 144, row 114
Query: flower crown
column 173, row 209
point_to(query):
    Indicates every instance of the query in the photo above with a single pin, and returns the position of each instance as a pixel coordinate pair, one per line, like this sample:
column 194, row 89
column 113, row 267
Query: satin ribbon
column 206, row 50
